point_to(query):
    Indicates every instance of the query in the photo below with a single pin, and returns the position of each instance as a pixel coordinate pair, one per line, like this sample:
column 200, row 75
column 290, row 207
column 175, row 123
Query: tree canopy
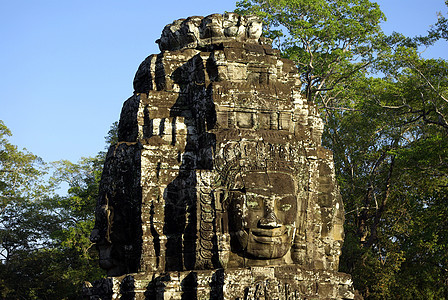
column 328, row 40
column 385, row 109
column 385, row 112
column 44, row 237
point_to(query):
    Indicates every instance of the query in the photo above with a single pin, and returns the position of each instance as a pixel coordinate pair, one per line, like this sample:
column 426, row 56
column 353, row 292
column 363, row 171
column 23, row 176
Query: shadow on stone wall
column 195, row 105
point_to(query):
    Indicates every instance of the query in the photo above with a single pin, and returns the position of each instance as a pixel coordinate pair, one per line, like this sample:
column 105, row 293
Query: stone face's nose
column 270, row 220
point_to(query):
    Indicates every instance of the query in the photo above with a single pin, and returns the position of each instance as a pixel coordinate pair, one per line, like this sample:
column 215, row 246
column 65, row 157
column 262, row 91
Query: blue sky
column 66, row 67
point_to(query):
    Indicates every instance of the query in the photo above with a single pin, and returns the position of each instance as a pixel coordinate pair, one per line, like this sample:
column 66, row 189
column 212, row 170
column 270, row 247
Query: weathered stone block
column 218, row 187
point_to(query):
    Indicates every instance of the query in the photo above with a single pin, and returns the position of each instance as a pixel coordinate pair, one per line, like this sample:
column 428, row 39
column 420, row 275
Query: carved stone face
column 190, row 30
column 212, row 26
column 263, row 212
column 230, row 24
column 254, row 28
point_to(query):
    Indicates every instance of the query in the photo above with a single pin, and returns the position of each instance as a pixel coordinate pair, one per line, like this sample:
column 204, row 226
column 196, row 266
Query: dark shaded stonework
column 219, row 187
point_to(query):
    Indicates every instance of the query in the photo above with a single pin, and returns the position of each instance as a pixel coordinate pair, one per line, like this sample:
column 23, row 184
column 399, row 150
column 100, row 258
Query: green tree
column 22, row 190
column 438, row 31
column 26, row 221
column 328, row 40
column 390, row 153
column 76, row 215
column 46, row 251
column 387, row 130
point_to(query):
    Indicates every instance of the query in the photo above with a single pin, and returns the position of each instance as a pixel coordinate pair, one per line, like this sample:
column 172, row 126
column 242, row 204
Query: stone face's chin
column 266, row 243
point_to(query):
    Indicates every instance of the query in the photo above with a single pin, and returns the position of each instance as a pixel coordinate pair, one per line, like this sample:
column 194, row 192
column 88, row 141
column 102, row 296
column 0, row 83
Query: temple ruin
column 219, row 187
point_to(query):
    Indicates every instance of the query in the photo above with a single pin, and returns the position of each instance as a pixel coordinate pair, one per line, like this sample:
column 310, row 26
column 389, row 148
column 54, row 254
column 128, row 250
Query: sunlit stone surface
column 219, row 187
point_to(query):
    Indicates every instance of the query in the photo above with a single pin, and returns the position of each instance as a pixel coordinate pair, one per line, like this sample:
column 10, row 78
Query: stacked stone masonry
column 219, row 187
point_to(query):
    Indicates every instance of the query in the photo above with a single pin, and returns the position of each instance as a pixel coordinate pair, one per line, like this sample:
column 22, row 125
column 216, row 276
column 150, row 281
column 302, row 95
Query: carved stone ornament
column 219, row 187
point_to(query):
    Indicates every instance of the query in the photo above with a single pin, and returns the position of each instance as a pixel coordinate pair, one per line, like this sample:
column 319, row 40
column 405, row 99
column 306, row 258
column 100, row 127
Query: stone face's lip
column 268, row 240
column 274, row 232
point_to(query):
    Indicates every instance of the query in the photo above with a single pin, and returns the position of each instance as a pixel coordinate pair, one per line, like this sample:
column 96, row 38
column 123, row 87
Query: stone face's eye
column 252, row 204
column 238, row 188
column 286, row 207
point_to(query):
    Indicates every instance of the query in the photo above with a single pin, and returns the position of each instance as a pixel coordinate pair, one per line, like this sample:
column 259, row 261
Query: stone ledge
column 276, row 282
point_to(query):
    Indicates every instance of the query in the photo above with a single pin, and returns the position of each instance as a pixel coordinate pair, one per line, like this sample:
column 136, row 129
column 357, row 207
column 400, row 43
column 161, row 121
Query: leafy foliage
column 388, row 130
column 23, row 191
column 328, row 40
column 385, row 110
column 437, row 31
column 45, row 242
column 388, row 162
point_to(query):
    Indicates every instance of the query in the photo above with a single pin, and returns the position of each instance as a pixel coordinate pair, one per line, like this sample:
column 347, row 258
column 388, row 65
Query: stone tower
column 219, row 187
